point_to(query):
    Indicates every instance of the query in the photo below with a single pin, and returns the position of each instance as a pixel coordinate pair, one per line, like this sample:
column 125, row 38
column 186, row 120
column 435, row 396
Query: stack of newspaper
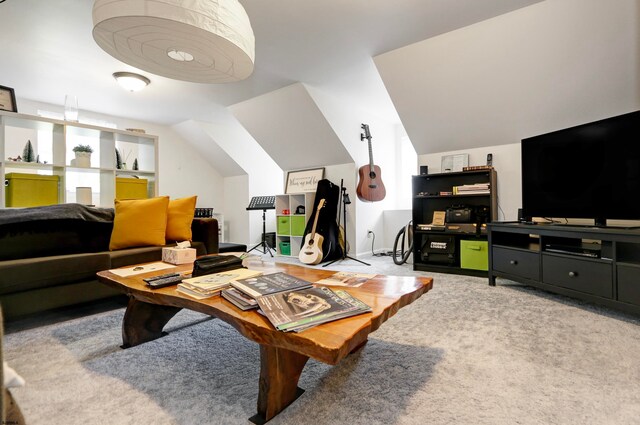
column 305, row 308
column 210, row 285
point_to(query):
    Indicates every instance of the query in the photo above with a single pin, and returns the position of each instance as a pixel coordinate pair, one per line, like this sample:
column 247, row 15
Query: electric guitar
column 311, row 252
column 370, row 187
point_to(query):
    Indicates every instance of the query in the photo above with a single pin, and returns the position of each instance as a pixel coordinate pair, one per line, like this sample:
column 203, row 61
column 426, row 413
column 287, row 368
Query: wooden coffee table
column 282, row 355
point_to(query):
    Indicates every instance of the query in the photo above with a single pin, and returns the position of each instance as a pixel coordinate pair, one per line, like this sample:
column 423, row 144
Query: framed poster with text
column 303, row 180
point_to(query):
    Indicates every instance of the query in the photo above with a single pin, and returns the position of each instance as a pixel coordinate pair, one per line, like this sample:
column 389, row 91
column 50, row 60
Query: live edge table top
column 283, row 355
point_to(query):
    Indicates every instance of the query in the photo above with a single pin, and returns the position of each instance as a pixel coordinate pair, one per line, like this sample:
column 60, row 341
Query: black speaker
column 523, row 219
column 489, row 159
column 424, row 170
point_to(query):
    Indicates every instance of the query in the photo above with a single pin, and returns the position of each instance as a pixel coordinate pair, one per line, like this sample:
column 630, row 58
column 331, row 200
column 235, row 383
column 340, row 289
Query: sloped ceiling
column 290, row 127
column 548, row 66
column 209, row 148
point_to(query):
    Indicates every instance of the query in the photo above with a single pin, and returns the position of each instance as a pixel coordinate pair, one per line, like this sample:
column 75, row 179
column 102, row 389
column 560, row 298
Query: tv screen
column 588, row 171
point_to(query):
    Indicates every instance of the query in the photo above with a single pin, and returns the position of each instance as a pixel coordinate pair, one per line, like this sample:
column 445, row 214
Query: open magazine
column 301, row 309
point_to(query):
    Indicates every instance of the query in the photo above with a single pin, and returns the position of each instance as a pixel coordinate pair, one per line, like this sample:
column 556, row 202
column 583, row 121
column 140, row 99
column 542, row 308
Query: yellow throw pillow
column 179, row 218
column 139, row 222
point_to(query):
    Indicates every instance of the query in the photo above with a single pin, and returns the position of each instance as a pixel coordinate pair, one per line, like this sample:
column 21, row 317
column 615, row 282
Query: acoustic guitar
column 311, row 252
column 370, row 187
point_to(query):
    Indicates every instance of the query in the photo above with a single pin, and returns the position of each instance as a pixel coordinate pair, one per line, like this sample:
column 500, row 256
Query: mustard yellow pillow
column 139, row 222
column 179, row 218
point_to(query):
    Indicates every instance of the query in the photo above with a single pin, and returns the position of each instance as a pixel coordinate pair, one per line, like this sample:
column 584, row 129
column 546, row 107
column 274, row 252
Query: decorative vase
column 83, row 159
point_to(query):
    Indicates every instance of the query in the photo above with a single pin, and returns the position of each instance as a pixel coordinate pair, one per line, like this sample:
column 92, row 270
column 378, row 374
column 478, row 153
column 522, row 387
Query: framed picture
column 451, row 163
column 303, row 180
column 8, row 99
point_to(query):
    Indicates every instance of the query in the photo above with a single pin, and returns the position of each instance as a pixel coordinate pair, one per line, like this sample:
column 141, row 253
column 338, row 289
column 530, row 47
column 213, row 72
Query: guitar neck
column 370, row 154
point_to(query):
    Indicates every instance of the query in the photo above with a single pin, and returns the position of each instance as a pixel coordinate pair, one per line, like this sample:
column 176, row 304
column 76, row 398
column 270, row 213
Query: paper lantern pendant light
column 202, row 41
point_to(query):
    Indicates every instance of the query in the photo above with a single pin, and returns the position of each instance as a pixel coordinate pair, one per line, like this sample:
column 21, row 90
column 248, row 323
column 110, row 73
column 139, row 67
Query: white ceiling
column 48, row 51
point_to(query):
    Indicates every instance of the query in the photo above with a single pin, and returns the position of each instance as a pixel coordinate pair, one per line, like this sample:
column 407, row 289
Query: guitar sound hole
column 372, row 175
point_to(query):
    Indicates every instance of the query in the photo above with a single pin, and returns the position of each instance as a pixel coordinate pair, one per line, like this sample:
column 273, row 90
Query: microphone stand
column 344, row 198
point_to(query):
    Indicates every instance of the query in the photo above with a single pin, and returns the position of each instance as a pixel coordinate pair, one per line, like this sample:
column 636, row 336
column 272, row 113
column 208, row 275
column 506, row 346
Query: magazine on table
column 200, row 295
column 239, row 299
column 211, row 284
column 301, row 309
column 269, row 284
column 347, row 279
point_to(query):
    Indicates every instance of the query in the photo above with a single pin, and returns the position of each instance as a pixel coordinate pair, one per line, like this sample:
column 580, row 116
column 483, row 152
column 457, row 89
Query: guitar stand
column 344, row 197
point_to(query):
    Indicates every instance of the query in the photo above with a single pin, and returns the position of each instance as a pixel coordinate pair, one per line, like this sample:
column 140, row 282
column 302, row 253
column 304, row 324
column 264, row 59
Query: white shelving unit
column 53, row 142
column 290, row 227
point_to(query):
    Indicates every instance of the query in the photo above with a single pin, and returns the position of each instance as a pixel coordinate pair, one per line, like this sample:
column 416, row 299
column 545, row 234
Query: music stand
column 263, row 203
column 344, row 198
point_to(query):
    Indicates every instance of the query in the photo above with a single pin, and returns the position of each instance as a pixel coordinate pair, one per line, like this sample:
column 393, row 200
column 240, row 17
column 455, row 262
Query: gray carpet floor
column 465, row 353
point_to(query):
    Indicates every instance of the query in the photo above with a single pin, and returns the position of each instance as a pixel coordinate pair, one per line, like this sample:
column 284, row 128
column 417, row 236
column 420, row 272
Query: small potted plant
column 83, row 156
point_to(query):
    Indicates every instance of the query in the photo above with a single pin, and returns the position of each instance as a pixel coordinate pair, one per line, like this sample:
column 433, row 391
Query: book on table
column 239, row 299
column 211, row 284
column 269, row 284
column 302, row 309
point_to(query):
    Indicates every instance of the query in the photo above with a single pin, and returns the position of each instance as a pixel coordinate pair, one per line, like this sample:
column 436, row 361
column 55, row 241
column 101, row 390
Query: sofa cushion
column 179, row 218
column 32, row 273
column 139, row 222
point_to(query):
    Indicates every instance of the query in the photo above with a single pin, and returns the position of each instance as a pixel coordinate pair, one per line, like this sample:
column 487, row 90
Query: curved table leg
column 143, row 322
column 280, row 371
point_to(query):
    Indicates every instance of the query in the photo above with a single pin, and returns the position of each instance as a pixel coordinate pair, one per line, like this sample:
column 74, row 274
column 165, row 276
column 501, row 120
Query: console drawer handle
column 513, row 262
column 573, row 274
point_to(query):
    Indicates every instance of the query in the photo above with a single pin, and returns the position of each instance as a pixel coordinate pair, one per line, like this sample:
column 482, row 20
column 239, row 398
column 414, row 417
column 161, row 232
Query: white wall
column 346, row 120
column 264, row 177
column 236, row 216
column 182, row 171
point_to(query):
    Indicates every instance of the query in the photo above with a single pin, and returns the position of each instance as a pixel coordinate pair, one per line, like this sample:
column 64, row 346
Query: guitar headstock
column 366, row 134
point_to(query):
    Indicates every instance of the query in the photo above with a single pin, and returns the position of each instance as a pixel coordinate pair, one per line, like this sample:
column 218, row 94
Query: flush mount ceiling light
column 202, row 41
column 130, row 81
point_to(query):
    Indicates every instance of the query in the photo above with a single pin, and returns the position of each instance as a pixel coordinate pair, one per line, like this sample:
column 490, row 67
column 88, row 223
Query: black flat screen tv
column 589, row 171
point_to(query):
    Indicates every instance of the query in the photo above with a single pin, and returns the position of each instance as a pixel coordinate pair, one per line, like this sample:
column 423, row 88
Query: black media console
column 599, row 265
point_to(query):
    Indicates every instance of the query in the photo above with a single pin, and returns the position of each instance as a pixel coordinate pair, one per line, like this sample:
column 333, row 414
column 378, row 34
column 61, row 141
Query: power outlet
column 369, row 233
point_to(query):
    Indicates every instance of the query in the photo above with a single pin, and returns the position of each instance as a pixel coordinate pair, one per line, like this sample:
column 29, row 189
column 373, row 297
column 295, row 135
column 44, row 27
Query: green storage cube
column 30, row 190
column 474, row 255
column 297, row 225
column 285, row 248
column 284, row 225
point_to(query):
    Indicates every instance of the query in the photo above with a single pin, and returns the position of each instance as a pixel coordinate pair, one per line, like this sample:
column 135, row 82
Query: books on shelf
column 210, row 285
column 239, row 299
column 269, row 284
column 477, row 167
column 472, row 189
column 347, row 279
column 301, row 309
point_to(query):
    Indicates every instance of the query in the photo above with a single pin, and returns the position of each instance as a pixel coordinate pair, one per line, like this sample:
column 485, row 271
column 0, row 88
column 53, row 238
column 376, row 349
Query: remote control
column 162, row 276
column 167, row 281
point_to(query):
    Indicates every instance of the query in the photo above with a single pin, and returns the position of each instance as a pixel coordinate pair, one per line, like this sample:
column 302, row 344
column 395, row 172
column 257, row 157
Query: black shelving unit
column 428, row 197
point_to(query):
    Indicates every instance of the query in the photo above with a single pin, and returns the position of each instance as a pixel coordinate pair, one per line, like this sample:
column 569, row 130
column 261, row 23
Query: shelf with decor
column 292, row 214
column 57, row 172
column 466, row 201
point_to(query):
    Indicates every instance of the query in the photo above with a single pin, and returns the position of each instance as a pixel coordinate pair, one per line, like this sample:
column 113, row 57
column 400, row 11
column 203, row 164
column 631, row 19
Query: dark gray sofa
column 49, row 256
